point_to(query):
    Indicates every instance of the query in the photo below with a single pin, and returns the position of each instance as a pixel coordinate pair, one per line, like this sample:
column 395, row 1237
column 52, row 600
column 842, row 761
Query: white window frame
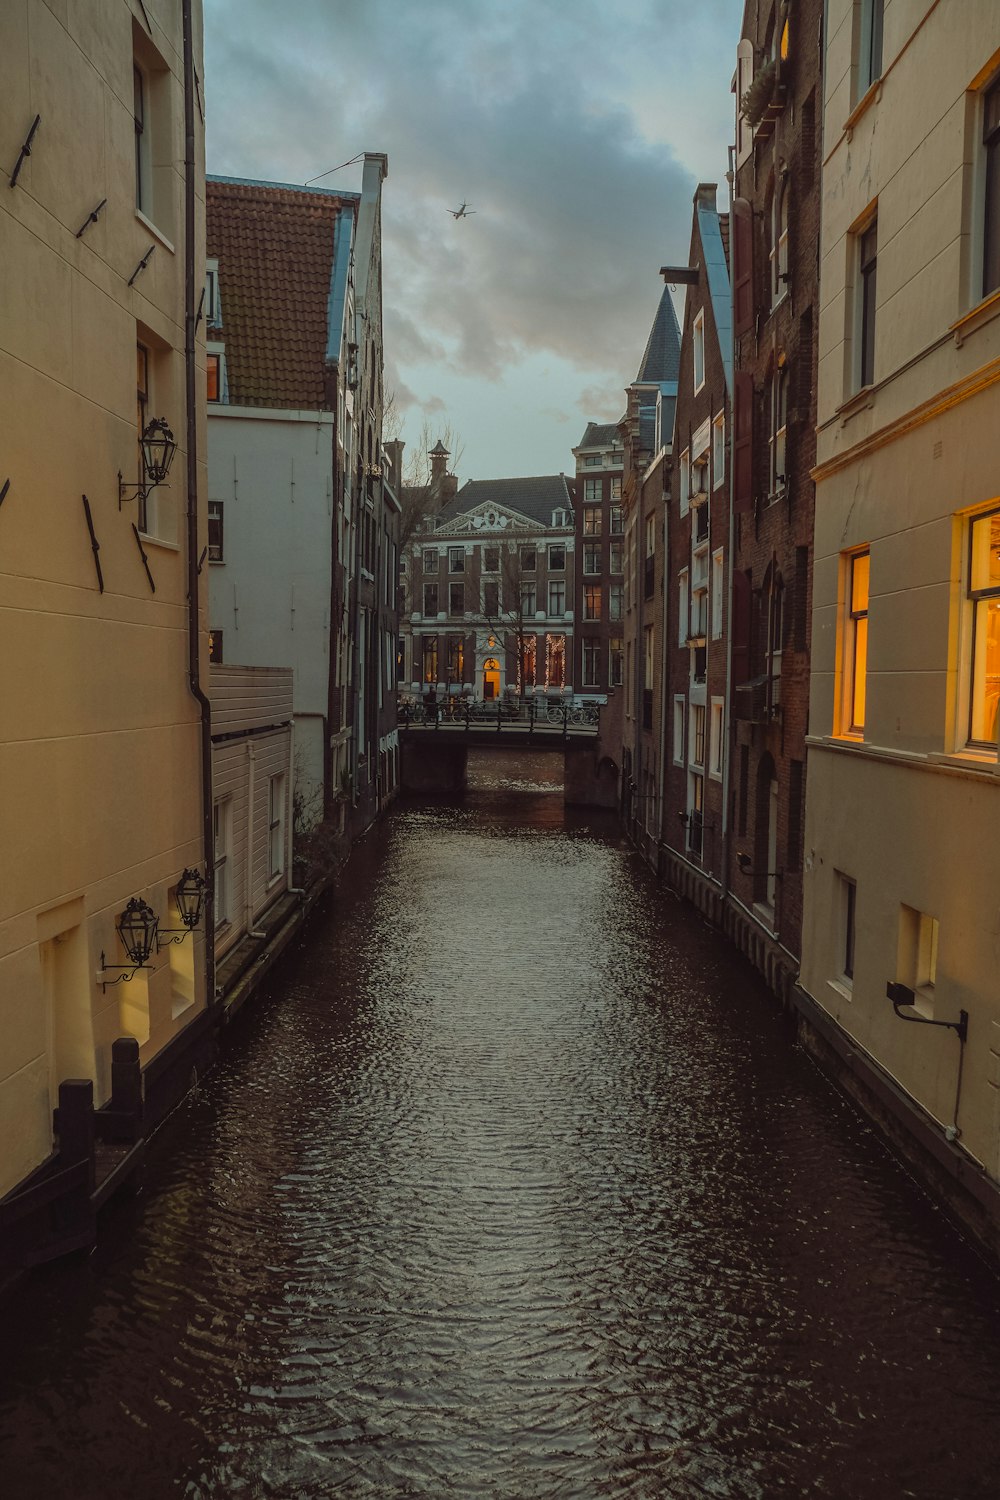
column 718, row 450
column 684, row 481
column 680, row 744
column 698, row 350
column 718, row 576
column 683, row 608
column 716, row 738
column 592, row 655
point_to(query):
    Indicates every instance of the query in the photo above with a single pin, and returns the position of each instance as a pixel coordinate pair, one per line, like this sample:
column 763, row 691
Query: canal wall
column 954, row 1179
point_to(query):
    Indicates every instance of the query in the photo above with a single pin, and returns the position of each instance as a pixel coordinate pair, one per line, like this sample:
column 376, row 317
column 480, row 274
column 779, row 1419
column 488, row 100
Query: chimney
column 439, row 457
column 394, row 453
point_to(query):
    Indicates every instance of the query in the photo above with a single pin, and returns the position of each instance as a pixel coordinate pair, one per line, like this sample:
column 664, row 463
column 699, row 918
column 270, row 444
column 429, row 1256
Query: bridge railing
column 529, row 714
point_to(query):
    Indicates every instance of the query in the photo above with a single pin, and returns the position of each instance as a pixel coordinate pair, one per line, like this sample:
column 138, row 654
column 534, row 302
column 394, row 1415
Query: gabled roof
column 662, row 357
column 534, row 498
column 280, row 286
column 714, row 252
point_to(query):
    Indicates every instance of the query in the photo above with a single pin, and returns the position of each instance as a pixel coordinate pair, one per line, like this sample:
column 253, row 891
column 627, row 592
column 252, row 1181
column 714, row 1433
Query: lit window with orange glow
column 984, row 592
column 213, row 371
column 856, row 643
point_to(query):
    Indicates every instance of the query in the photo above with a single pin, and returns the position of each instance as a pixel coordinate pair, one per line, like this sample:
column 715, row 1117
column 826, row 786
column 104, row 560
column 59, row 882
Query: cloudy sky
column 577, row 131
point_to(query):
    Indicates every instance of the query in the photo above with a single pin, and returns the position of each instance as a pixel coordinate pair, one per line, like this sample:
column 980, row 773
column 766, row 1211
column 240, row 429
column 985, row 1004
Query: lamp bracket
column 123, row 977
column 901, row 994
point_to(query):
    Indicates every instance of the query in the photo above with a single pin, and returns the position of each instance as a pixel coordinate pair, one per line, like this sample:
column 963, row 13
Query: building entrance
column 491, row 678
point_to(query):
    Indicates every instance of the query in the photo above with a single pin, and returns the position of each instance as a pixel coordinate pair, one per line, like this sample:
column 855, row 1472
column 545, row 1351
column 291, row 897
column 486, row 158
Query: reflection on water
column 514, row 1186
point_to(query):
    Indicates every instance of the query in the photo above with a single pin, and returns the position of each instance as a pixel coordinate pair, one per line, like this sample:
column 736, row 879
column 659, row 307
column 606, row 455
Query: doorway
column 491, row 678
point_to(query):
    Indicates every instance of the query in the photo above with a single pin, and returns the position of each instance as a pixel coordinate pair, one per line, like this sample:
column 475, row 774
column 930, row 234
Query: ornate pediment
column 488, row 520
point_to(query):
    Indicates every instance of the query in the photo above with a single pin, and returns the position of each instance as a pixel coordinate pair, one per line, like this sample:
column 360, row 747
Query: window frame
column 591, row 663
column 867, row 293
column 854, row 647
column 978, row 601
column 557, row 596
column 216, row 525
column 592, row 601
column 698, row 350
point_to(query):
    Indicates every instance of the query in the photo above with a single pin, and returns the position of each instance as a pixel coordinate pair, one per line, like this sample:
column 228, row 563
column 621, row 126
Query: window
column 222, row 822
column 696, row 812
column 557, row 596
column 429, row 658
column 555, row 661
column 592, row 557
column 213, row 371
column 715, row 739
column 528, row 560
column 430, row 598
column 430, row 560
column 557, row 559
column 213, row 308
column 491, row 559
column 684, row 481
column 401, row 659
column 616, row 601
column 215, row 552
column 456, row 598
column 779, row 242
column 215, row 646
column 456, row 559
column 698, row 715
column 455, row 647
column 616, row 560
column 917, row 955
column 593, row 489
column 855, row 656
column 991, row 202
column 617, row 520
column 867, row 266
column 527, row 662
column 870, row 49
column 559, row 518
column 718, row 592
column 984, row 593
column 276, row 827
column 699, row 594
column 616, row 661
column 719, row 450
column 591, row 520
column 591, row 601
column 616, row 487
column 848, row 906
column 529, row 599
column 151, row 107
column 591, row 662
column 679, row 745
column 142, row 417
column 592, row 461
column 143, row 190
column 698, row 350
column 682, row 607
column 779, row 429
column 491, row 600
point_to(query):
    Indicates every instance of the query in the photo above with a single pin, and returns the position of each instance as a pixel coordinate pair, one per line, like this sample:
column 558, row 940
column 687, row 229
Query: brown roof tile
column 274, row 246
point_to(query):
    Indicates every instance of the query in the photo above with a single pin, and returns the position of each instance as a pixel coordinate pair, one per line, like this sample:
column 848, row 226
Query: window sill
column 969, row 760
column 843, row 988
column 159, row 541
column 870, row 96
column 862, row 400
column 977, row 317
column 158, row 234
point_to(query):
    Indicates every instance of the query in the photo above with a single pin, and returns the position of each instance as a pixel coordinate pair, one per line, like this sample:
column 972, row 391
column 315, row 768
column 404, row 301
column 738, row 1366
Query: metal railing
column 502, row 713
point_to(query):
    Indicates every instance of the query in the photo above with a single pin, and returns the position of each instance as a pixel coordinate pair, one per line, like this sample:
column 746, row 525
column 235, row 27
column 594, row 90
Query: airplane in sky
column 460, row 213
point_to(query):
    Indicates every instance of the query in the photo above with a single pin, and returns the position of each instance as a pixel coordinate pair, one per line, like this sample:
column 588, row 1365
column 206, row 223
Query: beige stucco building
column 902, row 864
column 104, row 742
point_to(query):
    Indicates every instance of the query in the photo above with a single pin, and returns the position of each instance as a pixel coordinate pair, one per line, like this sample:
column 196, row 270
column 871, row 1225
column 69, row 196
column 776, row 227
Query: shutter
column 742, row 246
column 743, row 441
column 741, row 626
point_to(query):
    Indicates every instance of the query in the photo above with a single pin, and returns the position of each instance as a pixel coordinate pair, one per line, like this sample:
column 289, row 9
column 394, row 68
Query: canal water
column 514, row 1184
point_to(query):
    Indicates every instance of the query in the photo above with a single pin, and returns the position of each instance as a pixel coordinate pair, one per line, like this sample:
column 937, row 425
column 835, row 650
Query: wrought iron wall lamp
column 746, row 866
column 157, row 447
column 901, row 994
column 136, row 927
column 189, row 895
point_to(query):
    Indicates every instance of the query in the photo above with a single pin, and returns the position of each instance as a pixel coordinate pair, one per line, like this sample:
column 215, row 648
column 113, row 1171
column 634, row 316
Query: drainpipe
column 191, row 390
column 729, row 738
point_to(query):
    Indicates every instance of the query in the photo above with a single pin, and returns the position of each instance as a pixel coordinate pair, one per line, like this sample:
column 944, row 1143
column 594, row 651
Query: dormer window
column 559, row 518
column 213, row 311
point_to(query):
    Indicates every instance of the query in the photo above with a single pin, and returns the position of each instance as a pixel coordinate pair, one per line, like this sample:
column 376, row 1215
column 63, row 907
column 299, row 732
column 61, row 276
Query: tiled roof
column 662, row 357
column 600, row 435
column 535, row 498
column 275, row 248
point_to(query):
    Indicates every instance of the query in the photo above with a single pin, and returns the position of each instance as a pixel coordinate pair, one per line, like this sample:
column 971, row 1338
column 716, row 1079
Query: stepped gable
column 275, row 246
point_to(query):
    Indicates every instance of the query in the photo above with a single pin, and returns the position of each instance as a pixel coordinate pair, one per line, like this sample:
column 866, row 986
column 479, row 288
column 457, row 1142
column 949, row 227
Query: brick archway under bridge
column 437, row 764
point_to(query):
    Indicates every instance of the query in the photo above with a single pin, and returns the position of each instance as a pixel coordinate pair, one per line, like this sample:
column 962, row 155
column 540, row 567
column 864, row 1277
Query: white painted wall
column 270, row 596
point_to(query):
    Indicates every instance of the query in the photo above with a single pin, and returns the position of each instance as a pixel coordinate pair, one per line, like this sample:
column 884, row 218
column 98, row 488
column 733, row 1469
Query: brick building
column 599, row 657
column 776, row 301
column 695, row 607
column 488, row 586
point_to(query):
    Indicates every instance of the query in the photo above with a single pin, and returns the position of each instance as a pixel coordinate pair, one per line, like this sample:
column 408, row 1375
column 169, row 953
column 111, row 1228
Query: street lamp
column 157, row 447
column 137, row 928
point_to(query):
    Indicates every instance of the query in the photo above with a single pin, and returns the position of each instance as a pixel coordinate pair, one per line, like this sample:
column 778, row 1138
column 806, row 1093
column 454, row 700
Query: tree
column 511, row 615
